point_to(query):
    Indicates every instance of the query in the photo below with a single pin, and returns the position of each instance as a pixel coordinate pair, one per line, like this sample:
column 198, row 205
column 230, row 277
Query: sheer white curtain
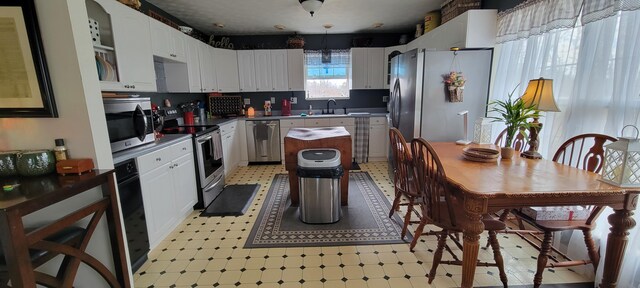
column 595, row 66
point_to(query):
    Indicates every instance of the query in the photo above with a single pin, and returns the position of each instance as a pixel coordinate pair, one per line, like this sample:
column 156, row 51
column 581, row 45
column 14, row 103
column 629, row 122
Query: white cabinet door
column 230, row 146
column 358, row 68
column 262, row 63
column 246, row 71
column 184, row 183
column 133, row 49
column 193, row 65
column 227, row 143
column 295, row 69
column 159, row 202
column 179, row 49
column 207, row 70
column 227, row 72
column 166, row 42
column 375, row 68
column 378, row 134
column 279, row 74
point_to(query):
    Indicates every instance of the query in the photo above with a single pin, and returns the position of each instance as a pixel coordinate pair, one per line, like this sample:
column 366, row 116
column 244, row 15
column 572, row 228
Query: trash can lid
column 318, row 158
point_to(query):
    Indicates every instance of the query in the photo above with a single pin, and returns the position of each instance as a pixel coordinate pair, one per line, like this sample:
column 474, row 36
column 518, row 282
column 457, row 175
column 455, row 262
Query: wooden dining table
column 519, row 182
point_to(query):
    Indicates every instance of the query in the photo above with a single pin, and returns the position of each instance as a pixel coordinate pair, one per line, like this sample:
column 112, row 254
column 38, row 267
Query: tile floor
column 207, row 252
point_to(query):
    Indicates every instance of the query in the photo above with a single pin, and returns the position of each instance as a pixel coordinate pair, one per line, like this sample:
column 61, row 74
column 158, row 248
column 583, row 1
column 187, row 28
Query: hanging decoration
column 454, row 81
column 326, row 53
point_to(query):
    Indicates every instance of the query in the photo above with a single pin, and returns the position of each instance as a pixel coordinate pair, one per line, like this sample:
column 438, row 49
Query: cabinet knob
column 126, row 86
column 184, row 148
column 158, row 159
column 133, row 86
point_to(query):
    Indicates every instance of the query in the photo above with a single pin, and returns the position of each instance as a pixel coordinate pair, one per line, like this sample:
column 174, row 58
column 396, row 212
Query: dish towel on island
column 361, row 154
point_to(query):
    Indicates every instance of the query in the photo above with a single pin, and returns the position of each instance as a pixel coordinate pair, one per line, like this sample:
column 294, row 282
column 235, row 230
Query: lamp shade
column 539, row 94
column 311, row 6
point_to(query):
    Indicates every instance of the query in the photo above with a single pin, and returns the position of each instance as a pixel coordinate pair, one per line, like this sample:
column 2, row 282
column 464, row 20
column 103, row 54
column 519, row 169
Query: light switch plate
column 247, row 101
column 294, row 100
column 385, row 99
column 273, row 100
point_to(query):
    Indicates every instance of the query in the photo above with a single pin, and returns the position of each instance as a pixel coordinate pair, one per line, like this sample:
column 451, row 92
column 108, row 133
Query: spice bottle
column 60, row 150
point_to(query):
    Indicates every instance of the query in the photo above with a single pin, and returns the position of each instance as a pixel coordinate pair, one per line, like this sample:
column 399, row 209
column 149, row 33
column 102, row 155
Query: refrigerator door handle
column 395, row 105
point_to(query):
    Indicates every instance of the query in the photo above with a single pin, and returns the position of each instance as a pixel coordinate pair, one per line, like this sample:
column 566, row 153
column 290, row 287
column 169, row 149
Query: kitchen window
column 329, row 77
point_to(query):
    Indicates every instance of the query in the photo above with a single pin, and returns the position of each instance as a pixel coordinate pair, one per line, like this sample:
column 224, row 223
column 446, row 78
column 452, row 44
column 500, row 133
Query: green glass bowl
column 35, row 163
column 8, row 163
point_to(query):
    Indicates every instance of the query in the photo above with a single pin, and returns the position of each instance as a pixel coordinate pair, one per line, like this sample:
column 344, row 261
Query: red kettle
column 286, row 107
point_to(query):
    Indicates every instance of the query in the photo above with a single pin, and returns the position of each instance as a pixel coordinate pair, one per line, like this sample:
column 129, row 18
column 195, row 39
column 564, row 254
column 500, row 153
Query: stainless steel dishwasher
column 263, row 140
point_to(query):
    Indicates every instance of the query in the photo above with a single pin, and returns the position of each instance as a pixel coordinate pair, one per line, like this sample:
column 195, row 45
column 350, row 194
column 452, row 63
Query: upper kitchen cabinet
column 246, row 71
column 166, row 41
column 295, row 69
column 263, row 72
column 122, row 47
column 279, row 75
column 227, row 71
column 471, row 29
column 389, row 53
column 208, row 79
column 193, row 64
column 367, row 68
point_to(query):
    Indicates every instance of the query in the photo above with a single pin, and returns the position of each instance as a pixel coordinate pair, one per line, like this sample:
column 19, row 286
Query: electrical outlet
column 273, row 100
column 247, row 101
column 294, row 100
column 385, row 99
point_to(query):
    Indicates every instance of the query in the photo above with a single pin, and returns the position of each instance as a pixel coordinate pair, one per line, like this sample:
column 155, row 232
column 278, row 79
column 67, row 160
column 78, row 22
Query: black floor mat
column 355, row 166
column 233, row 201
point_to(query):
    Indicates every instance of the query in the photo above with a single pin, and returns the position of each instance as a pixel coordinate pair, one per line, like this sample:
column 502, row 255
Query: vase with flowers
column 454, row 82
column 515, row 115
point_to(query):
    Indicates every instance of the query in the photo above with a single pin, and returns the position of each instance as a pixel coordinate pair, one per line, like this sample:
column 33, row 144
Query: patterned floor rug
column 365, row 221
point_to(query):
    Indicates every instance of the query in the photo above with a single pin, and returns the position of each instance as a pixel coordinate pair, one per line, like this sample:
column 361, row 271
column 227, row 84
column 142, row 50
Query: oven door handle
column 205, row 139
column 214, row 183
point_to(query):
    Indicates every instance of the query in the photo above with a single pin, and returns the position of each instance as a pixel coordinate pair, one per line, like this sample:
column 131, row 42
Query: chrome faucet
column 332, row 111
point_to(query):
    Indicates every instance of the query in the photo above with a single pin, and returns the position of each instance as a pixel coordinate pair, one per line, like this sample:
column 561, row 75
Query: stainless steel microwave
column 129, row 121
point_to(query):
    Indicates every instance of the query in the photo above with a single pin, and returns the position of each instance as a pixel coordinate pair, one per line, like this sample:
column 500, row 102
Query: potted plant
column 514, row 114
column 454, row 82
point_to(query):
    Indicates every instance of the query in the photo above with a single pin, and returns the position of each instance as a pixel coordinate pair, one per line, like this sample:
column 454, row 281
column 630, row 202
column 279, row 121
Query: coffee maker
column 286, row 107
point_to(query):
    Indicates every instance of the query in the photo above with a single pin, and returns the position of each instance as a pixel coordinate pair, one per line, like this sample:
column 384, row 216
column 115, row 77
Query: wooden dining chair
column 585, row 151
column 402, row 176
column 520, row 143
column 440, row 208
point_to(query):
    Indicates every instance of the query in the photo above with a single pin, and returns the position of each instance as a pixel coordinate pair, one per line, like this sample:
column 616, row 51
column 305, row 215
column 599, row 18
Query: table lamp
column 539, row 95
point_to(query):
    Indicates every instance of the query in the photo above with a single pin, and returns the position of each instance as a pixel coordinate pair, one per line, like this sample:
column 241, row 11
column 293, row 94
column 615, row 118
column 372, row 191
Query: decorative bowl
column 8, row 163
column 35, row 163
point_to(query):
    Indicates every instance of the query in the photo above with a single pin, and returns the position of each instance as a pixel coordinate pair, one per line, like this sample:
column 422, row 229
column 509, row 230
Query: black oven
column 129, row 122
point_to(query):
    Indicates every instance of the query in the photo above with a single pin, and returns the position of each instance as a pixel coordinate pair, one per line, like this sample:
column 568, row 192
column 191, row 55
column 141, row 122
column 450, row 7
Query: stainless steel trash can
column 319, row 172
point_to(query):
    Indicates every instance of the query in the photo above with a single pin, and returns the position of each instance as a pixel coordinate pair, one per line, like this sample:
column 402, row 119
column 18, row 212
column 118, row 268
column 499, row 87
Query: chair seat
column 63, row 236
column 555, row 225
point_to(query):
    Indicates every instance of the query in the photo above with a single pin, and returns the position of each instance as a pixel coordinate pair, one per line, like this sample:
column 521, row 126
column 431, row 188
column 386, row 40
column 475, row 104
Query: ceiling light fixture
column 219, row 25
column 279, row 26
column 311, row 6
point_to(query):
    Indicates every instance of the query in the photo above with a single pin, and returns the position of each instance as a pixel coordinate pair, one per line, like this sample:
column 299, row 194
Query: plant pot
column 507, row 153
column 35, row 163
column 455, row 93
column 8, row 163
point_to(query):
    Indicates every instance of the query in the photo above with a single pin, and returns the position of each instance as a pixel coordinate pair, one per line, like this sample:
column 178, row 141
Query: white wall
column 69, row 53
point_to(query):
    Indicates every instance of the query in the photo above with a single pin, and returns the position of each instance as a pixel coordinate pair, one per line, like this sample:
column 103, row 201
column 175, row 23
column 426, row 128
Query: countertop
column 166, row 140
column 222, row 121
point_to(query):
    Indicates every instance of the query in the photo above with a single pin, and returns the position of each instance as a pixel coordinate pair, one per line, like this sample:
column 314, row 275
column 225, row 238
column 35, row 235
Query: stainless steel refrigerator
column 418, row 104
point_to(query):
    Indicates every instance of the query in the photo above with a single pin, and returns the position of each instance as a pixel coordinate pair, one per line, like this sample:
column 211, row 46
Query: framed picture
column 25, row 88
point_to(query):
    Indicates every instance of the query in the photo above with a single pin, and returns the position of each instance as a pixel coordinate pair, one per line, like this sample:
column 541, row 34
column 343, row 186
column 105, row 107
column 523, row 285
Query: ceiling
column 256, row 17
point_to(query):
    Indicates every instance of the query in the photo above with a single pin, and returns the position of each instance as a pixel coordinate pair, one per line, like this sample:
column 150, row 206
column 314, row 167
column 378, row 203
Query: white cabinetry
column 349, row 123
column 295, row 69
column 230, row 146
column 207, row 68
column 193, row 65
column 263, row 70
column 389, row 53
column 378, row 134
column 279, row 75
column 227, row 72
column 246, row 71
column 126, row 46
column 168, row 181
column 471, row 29
column 367, row 68
column 166, row 41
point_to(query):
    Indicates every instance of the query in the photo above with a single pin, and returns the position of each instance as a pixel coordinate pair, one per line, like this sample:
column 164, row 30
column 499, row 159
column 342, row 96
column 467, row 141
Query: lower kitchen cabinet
column 231, row 146
column 168, row 181
column 378, row 135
